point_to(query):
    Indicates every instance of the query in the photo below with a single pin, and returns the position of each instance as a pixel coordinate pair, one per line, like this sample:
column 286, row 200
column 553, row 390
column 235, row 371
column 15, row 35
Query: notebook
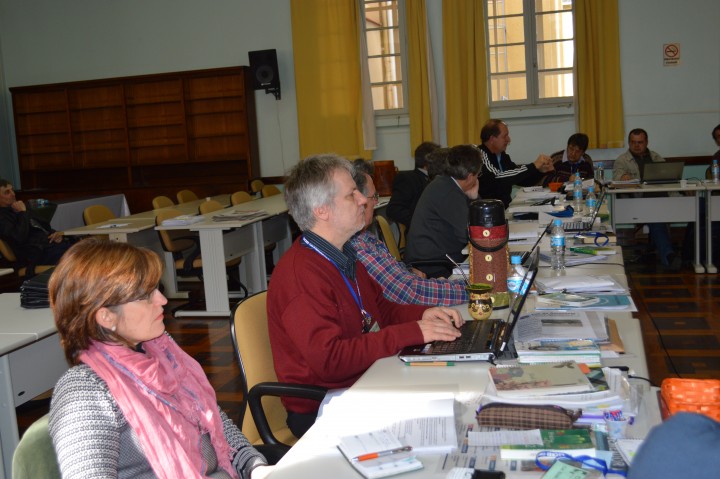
column 480, row 340
column 663, row 172
column 584, row 224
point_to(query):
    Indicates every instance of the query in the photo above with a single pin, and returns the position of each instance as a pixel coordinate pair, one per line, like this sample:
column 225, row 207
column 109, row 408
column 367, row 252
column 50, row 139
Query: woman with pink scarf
column 134, row 405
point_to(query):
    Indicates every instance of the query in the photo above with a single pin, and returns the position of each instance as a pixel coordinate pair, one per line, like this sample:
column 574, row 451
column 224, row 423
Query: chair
column 34, row 455
column 256, row 186
column 240, row 197
column 270, row 190
column 209, row 206
column 403, row 239
column 162, row 202
column 251, row 341
column 97, row 214
column 186, row 196
column 7, row 253
column 186, row 252
column 388, row 237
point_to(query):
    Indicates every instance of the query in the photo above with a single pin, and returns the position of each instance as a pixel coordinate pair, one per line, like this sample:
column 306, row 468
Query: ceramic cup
column 480, row 303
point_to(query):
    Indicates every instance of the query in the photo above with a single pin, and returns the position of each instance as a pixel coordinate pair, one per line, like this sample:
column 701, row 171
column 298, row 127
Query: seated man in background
column 32, row 240
column 629, row 166
column 499, row 173
column 409, row 185
column 399, row 284
column 716, row 137
column 327, row 318
column 571, row 161
column 441, row 217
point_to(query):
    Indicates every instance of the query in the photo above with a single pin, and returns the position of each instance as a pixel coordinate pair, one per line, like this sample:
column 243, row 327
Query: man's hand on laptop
column 440, row 324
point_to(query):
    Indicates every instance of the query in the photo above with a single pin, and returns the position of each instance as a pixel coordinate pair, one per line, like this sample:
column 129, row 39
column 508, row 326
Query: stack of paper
column 183, row 220
column 561, row 326
column 575, row 258
column 525, row 380
column 544, row 351
column 580, row 284
column 239, row 215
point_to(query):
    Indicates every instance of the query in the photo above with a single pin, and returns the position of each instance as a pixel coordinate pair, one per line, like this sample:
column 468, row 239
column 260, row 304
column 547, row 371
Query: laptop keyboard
column 575, row 226
column 470, row 330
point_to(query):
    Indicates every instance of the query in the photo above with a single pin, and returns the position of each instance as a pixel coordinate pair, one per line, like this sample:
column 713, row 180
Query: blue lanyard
column 589, row 461
column 366, row 317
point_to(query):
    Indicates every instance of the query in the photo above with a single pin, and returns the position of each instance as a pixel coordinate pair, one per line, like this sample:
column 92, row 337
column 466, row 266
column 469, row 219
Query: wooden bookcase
column 143, row 136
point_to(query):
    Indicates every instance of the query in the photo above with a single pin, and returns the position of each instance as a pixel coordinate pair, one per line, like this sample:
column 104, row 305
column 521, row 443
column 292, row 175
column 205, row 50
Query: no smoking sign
column 671, row 54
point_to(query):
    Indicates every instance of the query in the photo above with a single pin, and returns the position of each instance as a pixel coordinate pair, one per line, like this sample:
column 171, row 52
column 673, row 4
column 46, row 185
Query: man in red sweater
column 328, row 319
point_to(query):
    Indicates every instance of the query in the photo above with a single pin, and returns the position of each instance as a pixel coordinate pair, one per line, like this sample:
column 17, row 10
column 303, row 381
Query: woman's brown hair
column 96, row 274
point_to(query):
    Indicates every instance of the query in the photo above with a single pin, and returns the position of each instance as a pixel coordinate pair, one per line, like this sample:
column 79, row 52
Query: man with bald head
column 499, row 173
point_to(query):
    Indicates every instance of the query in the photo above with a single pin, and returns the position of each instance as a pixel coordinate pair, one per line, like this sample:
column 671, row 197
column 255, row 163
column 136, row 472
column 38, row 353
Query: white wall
column 48, row 41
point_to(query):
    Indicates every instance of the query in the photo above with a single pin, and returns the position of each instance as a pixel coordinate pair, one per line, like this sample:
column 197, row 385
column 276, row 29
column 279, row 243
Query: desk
column 315, row 455
column 69, row 214
column 712, row 213
column 138, row 230
column 670, row 209
column 224, row 240
column 31, row 362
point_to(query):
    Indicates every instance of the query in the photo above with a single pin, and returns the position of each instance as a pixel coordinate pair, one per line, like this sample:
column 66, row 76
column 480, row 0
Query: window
column 530, row 51
column 385, row 44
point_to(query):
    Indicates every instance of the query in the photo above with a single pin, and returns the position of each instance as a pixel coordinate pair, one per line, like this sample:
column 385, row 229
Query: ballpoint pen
column 375, row 455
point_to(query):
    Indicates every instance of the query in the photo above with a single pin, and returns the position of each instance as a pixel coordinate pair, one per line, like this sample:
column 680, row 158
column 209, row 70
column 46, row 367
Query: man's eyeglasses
column 375, row 197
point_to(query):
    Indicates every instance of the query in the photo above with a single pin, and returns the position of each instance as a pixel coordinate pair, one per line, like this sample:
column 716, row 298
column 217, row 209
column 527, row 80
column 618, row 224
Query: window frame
column 532, row 71
column 402, row 54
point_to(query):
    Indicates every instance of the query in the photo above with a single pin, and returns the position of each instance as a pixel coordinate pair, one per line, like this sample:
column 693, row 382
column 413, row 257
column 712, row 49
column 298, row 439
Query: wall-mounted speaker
column 264, row 71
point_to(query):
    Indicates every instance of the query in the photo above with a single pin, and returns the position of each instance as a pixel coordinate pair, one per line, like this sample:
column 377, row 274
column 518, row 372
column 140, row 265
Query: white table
column 224, row 240
column 315, row 455
column 626, row 207
column 138, row 230
column 712, row 213
column 31, row 362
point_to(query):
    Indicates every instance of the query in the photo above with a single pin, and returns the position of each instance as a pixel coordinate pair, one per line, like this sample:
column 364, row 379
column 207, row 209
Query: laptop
column 585, row 224
column 662, row 172
column 480, row 340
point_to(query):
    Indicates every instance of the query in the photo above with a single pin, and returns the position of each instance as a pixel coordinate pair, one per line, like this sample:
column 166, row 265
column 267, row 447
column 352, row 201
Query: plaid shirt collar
column 344, row 260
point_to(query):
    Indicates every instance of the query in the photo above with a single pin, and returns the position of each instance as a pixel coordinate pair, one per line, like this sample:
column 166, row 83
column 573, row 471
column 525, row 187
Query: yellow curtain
column 466, row 75
column 599, row 89
column 327, row 77
column 420, row 107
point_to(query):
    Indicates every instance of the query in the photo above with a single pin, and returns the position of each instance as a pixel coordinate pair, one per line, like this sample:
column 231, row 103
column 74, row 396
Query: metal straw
column 467, row 282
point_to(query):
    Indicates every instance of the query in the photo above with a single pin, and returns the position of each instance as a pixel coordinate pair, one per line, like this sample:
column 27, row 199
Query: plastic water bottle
column 715, row 172
column 590, row 201
column 577, row 195
column 516, row 275
column 557, row 246
column 600, row 174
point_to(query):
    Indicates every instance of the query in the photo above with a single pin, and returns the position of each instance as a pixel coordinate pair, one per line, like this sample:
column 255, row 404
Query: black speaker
column 264, row 69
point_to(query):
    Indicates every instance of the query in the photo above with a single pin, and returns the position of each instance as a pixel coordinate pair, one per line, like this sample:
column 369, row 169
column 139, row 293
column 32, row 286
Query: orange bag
column 691, row 395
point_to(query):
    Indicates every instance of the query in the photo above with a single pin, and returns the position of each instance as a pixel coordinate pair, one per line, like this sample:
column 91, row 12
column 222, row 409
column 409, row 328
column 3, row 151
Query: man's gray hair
column 360, row 169
column 310, row 185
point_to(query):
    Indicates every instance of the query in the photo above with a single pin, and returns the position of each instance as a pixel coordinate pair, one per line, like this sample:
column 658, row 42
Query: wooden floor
column 678, row 310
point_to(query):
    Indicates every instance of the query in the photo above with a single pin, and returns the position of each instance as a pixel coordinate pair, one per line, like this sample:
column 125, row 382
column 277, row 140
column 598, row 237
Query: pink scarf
column 167, row 400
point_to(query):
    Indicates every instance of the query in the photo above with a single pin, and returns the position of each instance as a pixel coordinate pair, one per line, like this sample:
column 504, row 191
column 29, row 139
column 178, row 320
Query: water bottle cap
column 591, row 189
column 515, row 259
column 557, row 222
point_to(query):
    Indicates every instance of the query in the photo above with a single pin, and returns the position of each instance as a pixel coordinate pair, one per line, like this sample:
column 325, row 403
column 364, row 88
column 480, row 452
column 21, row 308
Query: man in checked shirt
column 399, row 284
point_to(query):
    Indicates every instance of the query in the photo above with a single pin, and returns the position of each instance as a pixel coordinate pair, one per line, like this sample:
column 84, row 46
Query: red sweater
column 315, row 324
